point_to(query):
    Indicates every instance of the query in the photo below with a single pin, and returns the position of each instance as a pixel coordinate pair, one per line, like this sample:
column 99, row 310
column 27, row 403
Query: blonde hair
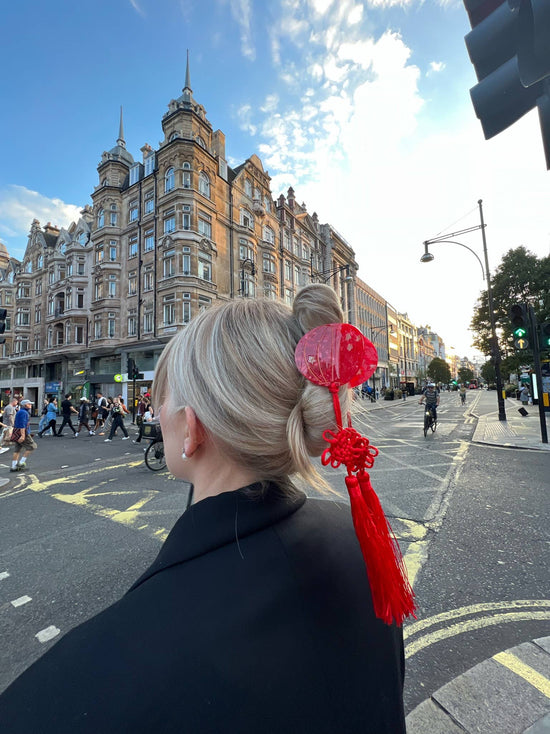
column 234, row 365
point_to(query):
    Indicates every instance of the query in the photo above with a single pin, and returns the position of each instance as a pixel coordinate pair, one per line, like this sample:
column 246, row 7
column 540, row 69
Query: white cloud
column 137, row 8
column 241, row 10
column 19, row 206
column 436, row 67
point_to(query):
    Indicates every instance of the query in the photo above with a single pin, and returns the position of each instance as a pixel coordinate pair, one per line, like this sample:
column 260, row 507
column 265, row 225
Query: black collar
column 217, row 521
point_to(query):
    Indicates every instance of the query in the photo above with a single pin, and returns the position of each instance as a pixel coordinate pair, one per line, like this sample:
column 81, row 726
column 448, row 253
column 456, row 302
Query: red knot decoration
column 331, row 356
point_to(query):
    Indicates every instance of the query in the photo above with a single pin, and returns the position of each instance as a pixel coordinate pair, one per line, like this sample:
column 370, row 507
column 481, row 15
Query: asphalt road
column 88, row 517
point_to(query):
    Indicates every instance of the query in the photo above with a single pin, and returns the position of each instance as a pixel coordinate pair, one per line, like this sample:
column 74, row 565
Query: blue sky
column 362, row 106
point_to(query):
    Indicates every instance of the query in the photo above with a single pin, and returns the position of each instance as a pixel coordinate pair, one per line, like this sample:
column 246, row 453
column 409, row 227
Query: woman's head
column 234, row 365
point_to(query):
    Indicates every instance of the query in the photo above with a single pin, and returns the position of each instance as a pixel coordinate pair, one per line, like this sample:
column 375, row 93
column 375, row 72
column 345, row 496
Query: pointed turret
column 187, row 87
column 121, row 140
column 119, row 152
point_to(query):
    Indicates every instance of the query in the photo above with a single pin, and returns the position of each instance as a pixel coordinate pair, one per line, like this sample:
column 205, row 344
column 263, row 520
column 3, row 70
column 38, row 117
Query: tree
column 521, row 277
column 465, row 375
column 439, row 370
column 488, row 372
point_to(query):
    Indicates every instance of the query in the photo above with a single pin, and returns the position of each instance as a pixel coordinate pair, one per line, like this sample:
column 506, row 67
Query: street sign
column 521, row 343
column 118, row 378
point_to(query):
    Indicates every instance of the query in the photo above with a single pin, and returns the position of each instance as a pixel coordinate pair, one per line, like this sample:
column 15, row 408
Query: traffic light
column 509, row 47
column 545, row 335
column 3, row 314
column 131, row 366
column 519, row 318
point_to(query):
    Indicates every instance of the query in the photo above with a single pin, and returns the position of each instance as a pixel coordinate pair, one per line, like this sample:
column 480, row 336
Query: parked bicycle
column 154, row 454
column 430, row 423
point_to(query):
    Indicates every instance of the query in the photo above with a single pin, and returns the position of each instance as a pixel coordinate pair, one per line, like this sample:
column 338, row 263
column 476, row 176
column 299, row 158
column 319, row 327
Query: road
column 88, row 517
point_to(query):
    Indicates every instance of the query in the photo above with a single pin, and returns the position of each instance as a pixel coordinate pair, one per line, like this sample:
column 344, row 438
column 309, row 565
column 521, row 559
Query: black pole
column 133, row 398
column 538, row 372
column 496, row 350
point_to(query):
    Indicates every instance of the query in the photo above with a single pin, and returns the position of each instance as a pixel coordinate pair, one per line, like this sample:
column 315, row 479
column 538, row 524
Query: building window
column 149, row 243
column 112, row 253
column 37, row 314
column 69, row 269
column 148, row 322
column 132, row 325
column 80, row 299
column 23, row 290
column 186, row 307
column 269, row 235
column 186, row 176
column 169, row 263
column 205, row 266
column 169, row 180
column 80, row 267
column 37, row 288
column 133, row 211
column 204, row 303
column 268, row 263
column 97, row 329
column 270, row 291
column 36, row 343
column 149, row 202
column 51, row 306
column 98, row 290
column 22, row 318
column 204, row 184
column 169, row 310
column 289, row 296
column 149, row 164
column 28, row 267
column 267, row 203
column 79, row 334
column 248, row 187
column 51, row 277
column 148, row 278
column 50, row 337
column 247, row 220
column 101, row 218
column 132, row 283
column 205, row 228
column 68, row 300
column 133, row 246
column 286, row 241
column 288, row 270
column 99, row 254
column 169, row 222
column 187, row 264
column 245, row 250
column 134, row 174
column 112, row 286
column 113, row 215
column 39, row 262
column 187, row 221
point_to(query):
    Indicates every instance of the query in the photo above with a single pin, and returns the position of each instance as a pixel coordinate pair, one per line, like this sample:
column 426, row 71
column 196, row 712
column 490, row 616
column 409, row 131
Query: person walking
column 147, row 417
column 524, row 395
column 117, row 421
column 43, row 418
column 8, row 419
column 102, row 413
column 67, row 409
column 83, row 418
column 260, row 615
column 51, row 417
column 21, row 437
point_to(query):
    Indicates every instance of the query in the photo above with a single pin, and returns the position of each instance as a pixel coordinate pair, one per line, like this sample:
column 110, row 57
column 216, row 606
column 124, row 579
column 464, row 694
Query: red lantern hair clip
column 331, row 356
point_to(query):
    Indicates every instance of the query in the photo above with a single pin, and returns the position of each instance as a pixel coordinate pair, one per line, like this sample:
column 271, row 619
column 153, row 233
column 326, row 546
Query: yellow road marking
column 412, row 629
column 517, row 666
column 469, row 626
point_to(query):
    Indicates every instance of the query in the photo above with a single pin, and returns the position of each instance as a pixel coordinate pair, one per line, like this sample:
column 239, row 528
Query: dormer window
column 149, row 164
column 169, row 180
column 134, row 174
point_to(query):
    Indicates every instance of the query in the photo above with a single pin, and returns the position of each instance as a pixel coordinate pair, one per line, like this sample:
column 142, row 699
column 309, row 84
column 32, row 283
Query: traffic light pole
column 538, row 373
column 496, row 350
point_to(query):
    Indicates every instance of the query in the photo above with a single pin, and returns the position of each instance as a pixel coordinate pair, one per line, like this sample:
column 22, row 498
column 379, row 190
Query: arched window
column 113, row 215
column 204, row 184
column 169, row 180
column 101, row 218
column 186, row 175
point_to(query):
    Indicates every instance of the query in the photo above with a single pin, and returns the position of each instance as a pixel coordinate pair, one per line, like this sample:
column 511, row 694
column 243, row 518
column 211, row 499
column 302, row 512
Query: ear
column 194, row 432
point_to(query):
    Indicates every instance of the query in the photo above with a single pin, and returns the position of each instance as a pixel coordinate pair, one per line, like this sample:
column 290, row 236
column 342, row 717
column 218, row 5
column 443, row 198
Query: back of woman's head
column 234, row 365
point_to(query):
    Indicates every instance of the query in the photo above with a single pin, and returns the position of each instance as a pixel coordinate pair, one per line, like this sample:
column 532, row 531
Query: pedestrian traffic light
column 545, row 335
column 131, row 365
column 509, row 47
column 519, row 318
column 3, row 314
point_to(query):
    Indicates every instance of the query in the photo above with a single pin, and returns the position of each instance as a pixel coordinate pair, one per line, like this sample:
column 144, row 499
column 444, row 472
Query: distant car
column 472, row 386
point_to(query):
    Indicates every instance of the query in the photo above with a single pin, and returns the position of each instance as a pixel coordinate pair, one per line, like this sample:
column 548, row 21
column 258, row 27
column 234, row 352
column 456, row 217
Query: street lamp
column 428, row 257
column 374, row 332
column 244, row 290
column 326, row 275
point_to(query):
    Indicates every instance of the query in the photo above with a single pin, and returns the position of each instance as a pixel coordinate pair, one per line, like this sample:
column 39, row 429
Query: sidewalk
column 516, row 432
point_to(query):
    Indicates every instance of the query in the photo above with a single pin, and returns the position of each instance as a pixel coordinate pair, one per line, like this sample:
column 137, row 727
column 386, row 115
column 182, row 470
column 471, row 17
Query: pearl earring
column 184, row 455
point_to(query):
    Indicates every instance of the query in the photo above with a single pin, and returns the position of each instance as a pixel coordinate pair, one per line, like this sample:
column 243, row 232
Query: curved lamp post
column 244, row 290
column 428, row 257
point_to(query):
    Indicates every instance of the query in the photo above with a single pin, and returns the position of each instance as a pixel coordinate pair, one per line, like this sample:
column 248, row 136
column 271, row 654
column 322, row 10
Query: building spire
column 187, row 76
column 121, row 140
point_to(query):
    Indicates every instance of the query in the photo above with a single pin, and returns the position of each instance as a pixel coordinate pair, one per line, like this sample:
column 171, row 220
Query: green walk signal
column 545, row 335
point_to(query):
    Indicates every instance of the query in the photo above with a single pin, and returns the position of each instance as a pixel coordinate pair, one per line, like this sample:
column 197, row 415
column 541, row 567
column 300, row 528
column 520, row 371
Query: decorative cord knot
column 350, row 448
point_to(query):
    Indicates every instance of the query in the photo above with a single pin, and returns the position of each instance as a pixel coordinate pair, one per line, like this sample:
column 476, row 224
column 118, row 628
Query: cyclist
column 431, row 396
column 463, row 394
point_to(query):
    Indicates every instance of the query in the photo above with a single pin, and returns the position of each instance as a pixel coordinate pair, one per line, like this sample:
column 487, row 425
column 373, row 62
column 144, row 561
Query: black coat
column 256, row 616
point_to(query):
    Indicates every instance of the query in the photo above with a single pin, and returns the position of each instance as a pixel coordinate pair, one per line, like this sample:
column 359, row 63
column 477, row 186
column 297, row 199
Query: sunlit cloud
column 137, row 8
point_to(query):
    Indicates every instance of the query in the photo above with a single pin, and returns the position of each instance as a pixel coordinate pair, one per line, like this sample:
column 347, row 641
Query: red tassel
column 392, row 595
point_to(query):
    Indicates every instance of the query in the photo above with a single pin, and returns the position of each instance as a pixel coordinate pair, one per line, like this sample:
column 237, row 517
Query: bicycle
column 430, row 423
column 154, row 453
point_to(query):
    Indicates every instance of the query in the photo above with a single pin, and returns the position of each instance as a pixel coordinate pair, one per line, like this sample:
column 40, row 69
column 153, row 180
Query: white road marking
column 47, row 634
column 3, row 575
column 22, row 600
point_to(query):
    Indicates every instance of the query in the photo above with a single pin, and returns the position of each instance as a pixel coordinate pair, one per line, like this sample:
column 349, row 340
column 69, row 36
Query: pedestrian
column 67, row 409
column 43, row 415
column 21, row 437
column 259, row 611
column 109, row 418
column 102, row 413
column 51, row 417
column 8, row 419
column 524, row 395
column 117, row 421
column 147, row 417
column 83, row 417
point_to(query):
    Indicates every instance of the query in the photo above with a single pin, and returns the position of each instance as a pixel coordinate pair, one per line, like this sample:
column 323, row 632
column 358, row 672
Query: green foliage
column 439, row 370
column 465, row 375
column 488, row 372
column 521, row 277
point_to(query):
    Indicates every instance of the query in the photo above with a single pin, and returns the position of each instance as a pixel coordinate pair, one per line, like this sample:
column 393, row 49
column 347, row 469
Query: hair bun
column 317, row 304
